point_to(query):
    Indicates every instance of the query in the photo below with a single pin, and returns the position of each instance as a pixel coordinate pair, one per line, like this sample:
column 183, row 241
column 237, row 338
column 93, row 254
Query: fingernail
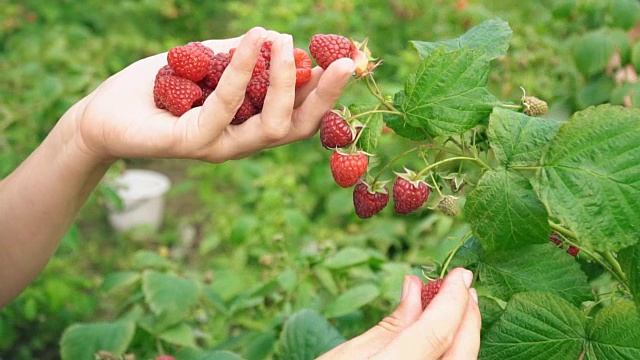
column 474, row 294
column 406, row 285
column 467, row 277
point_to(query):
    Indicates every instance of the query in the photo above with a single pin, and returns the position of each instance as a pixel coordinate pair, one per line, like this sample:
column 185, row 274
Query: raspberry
column 335, row 132
column 449, row 206
column 257, row 89
column 165, row 357
column 347, row 168
column 534, row 106
column 573, row 251
column 303, row 66
column 245, row 111
column 368, row 202
column 191, row 61
column 258, row 68
column 429, row 291
column 165, row 70
column 326, row 49
column 219, row 63
column 206, row 91
column 409, row 195
column 265, row 51
column 176, row 94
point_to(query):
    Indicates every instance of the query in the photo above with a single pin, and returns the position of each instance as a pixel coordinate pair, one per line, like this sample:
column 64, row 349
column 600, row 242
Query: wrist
column 74, row 147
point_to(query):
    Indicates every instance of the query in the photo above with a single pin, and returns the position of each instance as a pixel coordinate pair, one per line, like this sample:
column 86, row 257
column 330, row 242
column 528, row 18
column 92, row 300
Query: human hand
column 119, row 119
column 449, row 328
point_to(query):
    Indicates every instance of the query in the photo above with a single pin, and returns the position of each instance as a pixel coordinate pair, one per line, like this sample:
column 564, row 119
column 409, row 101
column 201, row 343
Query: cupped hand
column 120, row 120
column 449, row 328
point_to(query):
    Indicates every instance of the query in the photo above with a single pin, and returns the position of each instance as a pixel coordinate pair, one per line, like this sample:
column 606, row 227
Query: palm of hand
column 120, row 119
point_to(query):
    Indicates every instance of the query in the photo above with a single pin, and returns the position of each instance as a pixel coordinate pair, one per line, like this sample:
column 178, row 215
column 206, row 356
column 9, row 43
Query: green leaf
column 400, row 126
column 82, row 341
column 491, row 36
column 629, row 259
column 147, row 259
column 326, row 279
column 347, row 257
column 535, row 268
column 505, row 213
column 447, row 94
column 592, row 52
column 490, row 310
column 307, row 335
column 181, row 335
column 589, row 176
column 536, row 326
column 615, row 333
column 392, row 275
column 169, row 296
column 370, row 133
column 119, row 280
column 352, row 300
column 517, row 139
column 468, row 255
column 221, row 355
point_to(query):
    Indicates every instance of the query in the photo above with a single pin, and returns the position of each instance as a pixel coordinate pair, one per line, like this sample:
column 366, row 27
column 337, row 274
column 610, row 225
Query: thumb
column 375, row 339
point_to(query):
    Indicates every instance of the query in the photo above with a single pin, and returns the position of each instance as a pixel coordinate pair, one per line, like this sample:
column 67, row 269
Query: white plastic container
column 142, row 193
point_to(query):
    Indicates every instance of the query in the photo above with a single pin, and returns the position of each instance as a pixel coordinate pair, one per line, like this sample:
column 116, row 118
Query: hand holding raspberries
column 197, row 101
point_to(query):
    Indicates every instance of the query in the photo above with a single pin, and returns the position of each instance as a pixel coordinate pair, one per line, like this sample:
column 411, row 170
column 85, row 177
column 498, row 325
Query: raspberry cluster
column 194, row 71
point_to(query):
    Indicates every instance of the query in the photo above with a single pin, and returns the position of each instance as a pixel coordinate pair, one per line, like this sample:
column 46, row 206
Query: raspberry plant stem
column 374, row 112
column 612, row 267
column 442, row 162
column 459, row 153
column 608, row 255
column 435, row 185
column 398, row 157
column 453, row 253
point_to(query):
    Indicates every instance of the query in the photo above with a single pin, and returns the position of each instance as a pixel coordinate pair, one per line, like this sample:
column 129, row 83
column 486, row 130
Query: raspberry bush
column 531, row 182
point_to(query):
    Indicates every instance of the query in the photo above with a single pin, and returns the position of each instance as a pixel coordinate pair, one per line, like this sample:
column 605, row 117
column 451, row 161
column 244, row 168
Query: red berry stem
column 459, row 153
column 374, row 89
column 608, row 256
column 435, row 185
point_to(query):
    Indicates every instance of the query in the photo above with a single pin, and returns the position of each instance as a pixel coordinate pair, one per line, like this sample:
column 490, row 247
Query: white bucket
column 142, row 193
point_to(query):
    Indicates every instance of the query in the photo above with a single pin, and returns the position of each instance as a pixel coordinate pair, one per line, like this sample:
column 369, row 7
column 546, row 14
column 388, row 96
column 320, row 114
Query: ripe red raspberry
column 165, row 357
column 191, row 61
column 265, row 51
column 573, row 251
column 335, row 132
column 303, row 66
column 260, row 66
column 429, row 291
column 245, row 111
column 176, row 94
column 257, row 89
column 368, row 202
column 326, row 49
column 409, row 196
column 165, row 70
column 348, row 168
column 219, row 64
column 206, row 91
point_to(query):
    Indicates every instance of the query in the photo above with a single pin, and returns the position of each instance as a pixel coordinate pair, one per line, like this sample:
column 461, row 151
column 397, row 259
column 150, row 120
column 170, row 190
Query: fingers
column 278, row 104
column 434, row 332
column 306, row 118
column 206, row 123
column 371, row 342
column 466, row 344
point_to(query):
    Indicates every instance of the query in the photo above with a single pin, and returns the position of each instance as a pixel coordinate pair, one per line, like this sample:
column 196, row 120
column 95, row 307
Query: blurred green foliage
column 275, row 218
